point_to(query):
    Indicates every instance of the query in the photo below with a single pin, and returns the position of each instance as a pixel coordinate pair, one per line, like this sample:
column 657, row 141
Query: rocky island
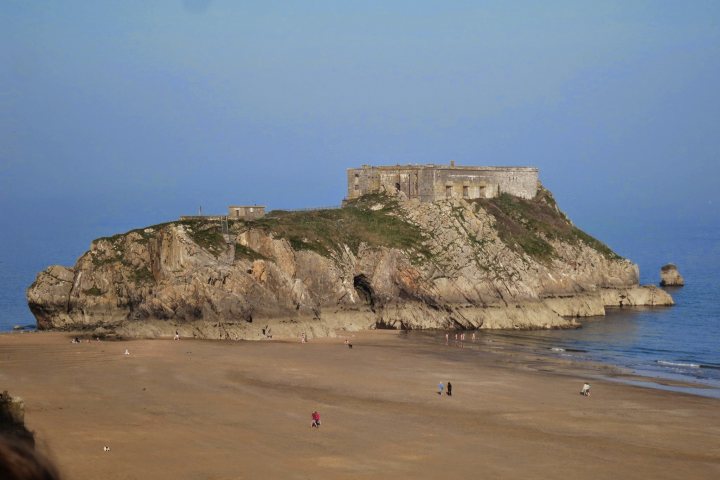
column 670, row 276
column 381, row 261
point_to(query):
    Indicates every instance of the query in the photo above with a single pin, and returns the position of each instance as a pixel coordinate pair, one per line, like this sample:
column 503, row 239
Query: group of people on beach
column 459, row 339
column 79, row 340
column 303, row 339
column 441, row 387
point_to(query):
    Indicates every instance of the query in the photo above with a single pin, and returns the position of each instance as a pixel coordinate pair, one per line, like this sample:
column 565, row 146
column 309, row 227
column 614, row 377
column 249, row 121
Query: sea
column 679, row 343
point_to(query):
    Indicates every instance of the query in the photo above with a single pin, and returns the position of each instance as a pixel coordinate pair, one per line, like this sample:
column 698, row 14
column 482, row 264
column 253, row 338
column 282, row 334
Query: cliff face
column 376, row 263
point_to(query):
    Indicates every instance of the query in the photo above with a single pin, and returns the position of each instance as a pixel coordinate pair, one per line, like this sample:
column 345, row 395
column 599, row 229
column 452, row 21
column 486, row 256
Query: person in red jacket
column 315, row 419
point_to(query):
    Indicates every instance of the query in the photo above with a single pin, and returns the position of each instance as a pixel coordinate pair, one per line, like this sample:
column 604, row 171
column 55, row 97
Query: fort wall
column 435, row 182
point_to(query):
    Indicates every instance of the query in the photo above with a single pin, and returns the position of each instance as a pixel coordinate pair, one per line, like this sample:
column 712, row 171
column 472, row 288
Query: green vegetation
column 529, row 225
column 243, row 252
column 370, row 219
column 94, row 291
column 144, row 236
column 208, row 235
column 99, row 261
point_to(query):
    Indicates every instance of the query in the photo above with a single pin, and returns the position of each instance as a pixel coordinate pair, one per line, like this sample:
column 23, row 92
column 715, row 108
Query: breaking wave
column 678, row 364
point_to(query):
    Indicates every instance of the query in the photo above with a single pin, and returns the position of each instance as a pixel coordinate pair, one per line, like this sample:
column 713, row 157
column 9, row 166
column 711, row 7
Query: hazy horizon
column 115, row 115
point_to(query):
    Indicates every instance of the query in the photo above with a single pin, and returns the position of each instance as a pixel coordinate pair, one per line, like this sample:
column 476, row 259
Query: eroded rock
column 670, row 277
column 377, row 263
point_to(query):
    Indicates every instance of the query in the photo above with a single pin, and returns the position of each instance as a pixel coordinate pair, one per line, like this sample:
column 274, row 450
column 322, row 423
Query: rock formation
column 670, row 277
column 12, row 419
column 376, row 263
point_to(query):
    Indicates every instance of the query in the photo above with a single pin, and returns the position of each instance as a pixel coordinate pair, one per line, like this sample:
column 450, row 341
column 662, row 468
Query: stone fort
column 435, row 182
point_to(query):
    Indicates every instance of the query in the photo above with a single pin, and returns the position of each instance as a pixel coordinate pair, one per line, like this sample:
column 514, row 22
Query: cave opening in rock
column 364, row 290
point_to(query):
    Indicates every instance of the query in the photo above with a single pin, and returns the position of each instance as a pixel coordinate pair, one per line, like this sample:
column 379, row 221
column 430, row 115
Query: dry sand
column 228, row 410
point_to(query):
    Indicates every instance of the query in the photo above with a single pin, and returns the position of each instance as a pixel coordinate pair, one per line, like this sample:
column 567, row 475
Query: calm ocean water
column 680, row 342
column 676, row 343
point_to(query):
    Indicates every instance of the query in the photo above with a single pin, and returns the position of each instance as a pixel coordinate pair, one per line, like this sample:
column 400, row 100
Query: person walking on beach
column 585, row 390
column 177, row 335
column 449, row 390
column 440, row 388
column 315, row 419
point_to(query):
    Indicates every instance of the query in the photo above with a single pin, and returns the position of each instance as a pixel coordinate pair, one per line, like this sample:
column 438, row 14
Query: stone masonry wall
column 430, row 182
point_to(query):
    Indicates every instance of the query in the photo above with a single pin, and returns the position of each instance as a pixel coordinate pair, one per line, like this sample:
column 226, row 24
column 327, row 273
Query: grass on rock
column 243, row 252
column 371, row 219
column 529, row 225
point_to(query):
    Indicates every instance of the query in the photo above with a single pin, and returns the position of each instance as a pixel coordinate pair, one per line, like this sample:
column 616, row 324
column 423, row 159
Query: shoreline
column 549, row 359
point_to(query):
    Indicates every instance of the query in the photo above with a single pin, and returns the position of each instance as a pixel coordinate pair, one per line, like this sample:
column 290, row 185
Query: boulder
column 12, row 419
column 670, row 277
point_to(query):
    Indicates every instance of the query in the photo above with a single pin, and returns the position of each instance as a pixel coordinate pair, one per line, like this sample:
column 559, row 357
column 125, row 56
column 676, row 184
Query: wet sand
column 229, row 410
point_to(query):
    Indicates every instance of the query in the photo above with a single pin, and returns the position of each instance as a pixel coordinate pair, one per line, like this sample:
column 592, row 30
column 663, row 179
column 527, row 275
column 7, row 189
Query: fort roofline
column 445, row 167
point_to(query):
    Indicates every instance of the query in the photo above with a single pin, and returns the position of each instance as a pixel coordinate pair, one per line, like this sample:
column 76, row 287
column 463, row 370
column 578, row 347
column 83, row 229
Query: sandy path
column 223, row 410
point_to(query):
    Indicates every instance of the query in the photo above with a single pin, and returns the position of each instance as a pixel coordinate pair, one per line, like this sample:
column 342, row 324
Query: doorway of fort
column 397, row 186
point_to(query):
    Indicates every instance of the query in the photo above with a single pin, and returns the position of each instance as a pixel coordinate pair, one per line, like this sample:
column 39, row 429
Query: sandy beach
column 241, row 410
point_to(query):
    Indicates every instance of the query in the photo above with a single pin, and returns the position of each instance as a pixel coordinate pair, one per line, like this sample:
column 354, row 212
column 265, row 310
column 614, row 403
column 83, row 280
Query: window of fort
column 397, row 186
column 357, row 187
column 448, row 191
column 466, row 191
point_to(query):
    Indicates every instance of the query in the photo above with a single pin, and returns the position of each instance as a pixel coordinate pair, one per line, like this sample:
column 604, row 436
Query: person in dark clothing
column 449, row 389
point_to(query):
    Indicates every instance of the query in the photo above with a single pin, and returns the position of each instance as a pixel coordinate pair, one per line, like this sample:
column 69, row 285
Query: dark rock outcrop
column 12, row 419
column 670, row 277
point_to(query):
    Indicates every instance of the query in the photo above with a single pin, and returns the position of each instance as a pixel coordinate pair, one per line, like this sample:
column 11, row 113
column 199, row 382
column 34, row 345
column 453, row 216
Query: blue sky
column 119, row 114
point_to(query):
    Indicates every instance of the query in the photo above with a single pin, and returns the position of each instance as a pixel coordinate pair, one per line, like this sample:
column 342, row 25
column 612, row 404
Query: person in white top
column 585, row 390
